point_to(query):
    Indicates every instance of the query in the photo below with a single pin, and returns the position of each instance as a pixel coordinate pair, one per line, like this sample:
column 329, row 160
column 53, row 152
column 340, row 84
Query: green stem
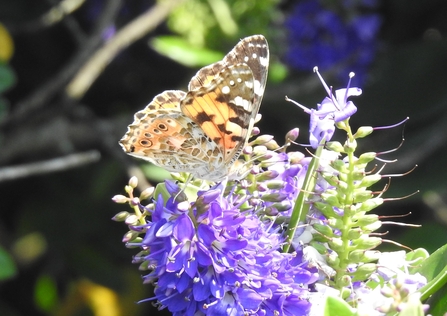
column 343, row 254
column 301, row 208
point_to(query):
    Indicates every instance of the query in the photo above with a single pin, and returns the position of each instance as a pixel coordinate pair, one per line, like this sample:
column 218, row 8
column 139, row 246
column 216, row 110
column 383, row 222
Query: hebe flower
column 341, row 34
column 208, row 257
column 225, row 249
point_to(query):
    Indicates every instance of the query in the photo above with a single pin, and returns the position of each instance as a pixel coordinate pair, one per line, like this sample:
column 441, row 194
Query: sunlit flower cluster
column 293, row 233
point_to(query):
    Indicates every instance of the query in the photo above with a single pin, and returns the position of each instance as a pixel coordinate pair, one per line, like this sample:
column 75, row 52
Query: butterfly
column 204, row 130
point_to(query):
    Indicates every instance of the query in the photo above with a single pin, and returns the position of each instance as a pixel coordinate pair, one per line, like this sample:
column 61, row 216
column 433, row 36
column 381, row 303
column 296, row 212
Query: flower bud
column 366, row 242
column 272, row 145
column 365, row 158
column 147, row 193
column 120, row 199
column 292, row 135
column 267, row 175
column 363, row 131
column 335, row 146
column 295, row 157
column 369, row 180
column 326, row 209
column 262, row 140
column 129, row 236
column 358, row 175
column 371, row 204
column 354, row 233
column 339, row 165
column 276, row 184
column 360, row 195
column 131, row 220
column 248, row 150
column 335, row 222
column 323, row 229
column 356, row 256
column 363, row 220
column 121, row 216
column 350, row 146
column 282, row 206
column 364, row 271
column 133, row 182
column 274, row 197
column 372, row 227
column 331, row 199
column 336, row 244
column 128, row 189
column 144, row 266
column 255, row 131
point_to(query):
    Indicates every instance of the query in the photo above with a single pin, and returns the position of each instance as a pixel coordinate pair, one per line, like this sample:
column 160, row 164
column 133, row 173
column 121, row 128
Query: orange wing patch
column 221, row 111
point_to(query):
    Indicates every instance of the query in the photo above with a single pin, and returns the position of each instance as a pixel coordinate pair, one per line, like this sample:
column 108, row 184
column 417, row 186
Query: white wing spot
column 254, row 56
column 239, row 101
column 264, row 61
column 226, row 89
column 239, row 80
column 246, row 58
column 259, row 90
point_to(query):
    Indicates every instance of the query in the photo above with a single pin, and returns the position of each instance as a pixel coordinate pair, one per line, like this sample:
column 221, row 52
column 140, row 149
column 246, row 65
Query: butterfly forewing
column 223, row 108
column 204, row 130
column 254, row 52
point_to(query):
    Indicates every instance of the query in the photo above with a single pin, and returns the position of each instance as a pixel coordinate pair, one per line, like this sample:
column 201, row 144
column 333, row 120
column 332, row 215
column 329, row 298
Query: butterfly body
column 204, row 130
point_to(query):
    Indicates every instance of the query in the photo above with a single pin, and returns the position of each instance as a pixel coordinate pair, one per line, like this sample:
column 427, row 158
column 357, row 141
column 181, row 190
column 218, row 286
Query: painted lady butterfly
column 204, row 130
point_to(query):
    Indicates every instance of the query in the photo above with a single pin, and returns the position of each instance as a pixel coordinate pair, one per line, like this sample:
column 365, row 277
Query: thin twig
column 123, row 38
column 49, row 166
column 43, row 94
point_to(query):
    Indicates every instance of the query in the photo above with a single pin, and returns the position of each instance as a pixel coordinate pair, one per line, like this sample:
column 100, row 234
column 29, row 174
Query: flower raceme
column 223, row 249
column 333, row 109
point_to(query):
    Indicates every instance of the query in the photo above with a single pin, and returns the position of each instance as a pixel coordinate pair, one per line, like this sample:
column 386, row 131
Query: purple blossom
column 333, row 109
column 330, row 34
column 226, row 263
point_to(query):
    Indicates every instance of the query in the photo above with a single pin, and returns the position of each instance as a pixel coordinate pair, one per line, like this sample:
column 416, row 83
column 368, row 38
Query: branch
column 49, row 166
column 42, row 95
column 123, row 38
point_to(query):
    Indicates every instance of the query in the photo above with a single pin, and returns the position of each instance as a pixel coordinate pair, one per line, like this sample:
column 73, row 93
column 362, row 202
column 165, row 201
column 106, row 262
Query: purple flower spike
column 333, row 109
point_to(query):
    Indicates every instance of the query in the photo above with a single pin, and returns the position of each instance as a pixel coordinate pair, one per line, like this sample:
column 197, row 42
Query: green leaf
column 438, row 302
column 335, row 306
column 155, row 173
column 7, row 266
column 7, row 77
column 434, row 268
column 181, row 51
column 417, row 257
column 45, row 293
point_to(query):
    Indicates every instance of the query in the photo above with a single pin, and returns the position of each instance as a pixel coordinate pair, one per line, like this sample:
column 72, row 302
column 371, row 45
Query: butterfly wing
column 204, row 131
column 254, row 52
column 224, row 108
column 163, row 135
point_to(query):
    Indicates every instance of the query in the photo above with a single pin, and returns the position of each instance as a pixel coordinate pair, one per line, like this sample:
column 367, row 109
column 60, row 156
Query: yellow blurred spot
column 102, row 300
column 6, row 44
column 29, row 248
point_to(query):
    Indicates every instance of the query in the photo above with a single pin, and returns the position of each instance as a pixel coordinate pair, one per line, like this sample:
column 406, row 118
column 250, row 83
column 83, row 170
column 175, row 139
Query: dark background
column 57, row 226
